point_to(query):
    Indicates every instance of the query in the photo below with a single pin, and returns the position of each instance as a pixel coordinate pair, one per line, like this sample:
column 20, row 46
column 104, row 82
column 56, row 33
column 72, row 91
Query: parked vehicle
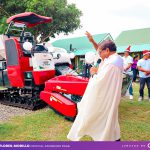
column 29, row 64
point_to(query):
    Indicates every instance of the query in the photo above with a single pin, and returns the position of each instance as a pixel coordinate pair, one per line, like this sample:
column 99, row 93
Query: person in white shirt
column 144, row 73
column 98, row 110
column 127, row 61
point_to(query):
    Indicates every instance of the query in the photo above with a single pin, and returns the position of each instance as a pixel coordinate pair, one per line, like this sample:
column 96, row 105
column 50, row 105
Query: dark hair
column 108, row 44
column 135, row 56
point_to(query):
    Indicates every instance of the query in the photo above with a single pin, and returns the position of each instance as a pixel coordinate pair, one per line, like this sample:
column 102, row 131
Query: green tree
column 66, row 17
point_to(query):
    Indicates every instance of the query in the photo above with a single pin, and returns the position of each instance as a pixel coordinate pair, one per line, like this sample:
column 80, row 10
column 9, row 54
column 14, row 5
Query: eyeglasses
column 99, row 51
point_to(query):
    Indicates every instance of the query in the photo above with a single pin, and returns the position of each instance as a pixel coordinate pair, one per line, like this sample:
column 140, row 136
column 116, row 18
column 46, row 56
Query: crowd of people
column 138, row 67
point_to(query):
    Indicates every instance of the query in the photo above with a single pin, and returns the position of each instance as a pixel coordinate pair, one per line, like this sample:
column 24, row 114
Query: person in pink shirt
column 134, row 67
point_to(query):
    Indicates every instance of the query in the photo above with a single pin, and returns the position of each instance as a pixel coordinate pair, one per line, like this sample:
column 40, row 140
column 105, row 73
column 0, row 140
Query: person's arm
column 147, row 72
column 129, row 65
column 142, row 69
column 93, row 70
column 129, row 62
column 92, row 40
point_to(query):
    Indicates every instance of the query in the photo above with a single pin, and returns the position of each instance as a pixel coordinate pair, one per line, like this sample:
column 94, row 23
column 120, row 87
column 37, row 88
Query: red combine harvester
column 37, row 72
column 29, row 65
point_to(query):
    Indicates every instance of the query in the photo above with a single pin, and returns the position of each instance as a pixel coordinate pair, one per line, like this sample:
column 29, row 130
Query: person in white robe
column 98, row 110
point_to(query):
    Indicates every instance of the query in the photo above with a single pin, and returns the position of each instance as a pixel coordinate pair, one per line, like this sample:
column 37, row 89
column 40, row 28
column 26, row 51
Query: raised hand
column 89, row 36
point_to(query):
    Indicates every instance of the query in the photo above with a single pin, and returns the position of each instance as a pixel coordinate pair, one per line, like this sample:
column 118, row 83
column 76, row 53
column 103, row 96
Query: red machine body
column 62, row 84
column 56, row 90
column 41, row 76
column 16, row 67
column 59, row 103
column 17, row 62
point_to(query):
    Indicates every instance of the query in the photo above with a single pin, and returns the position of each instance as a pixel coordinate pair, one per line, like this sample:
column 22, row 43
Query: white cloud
column 112, row 16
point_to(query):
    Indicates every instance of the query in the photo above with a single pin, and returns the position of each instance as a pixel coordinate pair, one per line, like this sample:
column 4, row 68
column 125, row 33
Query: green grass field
column 45, row 125
column 1, row 87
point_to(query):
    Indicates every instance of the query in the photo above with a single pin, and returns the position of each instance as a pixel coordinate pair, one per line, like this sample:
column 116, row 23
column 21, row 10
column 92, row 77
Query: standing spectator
column 134, row 67
column 144, row 73
column 128, row 61
column 86, row 70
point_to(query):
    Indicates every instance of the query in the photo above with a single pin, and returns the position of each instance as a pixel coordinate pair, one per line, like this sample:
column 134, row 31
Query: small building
column 80, row 45
column 138, row 39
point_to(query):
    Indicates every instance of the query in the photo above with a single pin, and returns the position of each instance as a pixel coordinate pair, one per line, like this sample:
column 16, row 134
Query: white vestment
column 98, row 110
